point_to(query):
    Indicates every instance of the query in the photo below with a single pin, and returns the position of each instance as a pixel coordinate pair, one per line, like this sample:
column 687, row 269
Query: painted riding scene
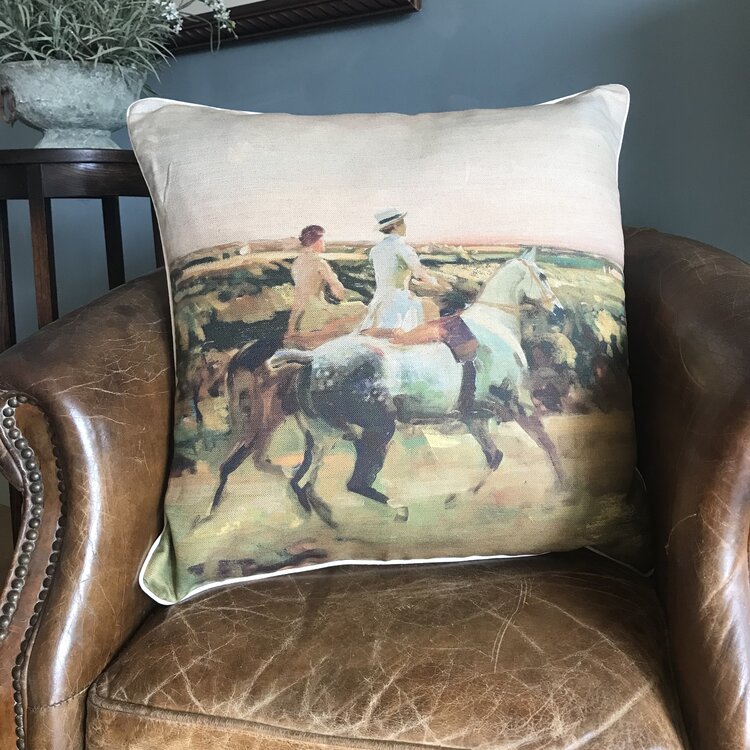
column 377, row 399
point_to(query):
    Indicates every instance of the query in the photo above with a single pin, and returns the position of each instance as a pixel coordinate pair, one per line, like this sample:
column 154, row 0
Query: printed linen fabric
column 397, row 338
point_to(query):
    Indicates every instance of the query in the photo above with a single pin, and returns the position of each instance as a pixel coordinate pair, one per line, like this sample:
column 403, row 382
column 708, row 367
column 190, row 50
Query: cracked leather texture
column 103, row 378
column 558, row 651
column 689, row 318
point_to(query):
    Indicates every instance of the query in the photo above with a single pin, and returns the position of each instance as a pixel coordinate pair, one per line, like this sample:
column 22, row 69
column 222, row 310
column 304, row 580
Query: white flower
column 171, row 14
column 221, row 13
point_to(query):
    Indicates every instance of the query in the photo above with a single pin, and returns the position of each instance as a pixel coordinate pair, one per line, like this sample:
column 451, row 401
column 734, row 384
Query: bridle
column 546, row 296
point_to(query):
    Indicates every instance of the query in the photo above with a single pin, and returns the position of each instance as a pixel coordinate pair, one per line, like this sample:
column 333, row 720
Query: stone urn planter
column 75, row 104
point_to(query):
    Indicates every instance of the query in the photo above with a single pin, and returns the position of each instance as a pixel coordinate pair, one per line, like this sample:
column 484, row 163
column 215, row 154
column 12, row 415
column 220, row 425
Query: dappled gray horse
column 360, row 387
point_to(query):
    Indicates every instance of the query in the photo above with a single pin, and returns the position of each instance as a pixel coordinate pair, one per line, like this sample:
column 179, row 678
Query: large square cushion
column 398, row 338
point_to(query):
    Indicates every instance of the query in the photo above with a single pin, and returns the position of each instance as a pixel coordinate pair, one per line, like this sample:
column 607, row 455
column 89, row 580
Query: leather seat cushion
column 561, row 651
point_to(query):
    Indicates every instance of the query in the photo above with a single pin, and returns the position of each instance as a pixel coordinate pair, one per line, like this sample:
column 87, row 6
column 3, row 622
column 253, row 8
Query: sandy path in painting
column 519, row 509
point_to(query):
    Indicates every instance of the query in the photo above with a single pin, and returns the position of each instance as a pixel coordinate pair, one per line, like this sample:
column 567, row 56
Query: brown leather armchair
column 559, row 651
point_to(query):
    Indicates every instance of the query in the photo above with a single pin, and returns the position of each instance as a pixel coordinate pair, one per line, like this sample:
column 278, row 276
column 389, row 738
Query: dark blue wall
column 686, row 160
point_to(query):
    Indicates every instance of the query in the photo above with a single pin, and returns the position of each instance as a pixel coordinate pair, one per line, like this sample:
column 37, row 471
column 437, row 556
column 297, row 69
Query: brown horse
column 260, row 398
column 256, row 398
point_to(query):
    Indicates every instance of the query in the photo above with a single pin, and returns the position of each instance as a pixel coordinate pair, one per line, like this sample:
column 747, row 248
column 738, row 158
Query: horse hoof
column 369, row 492
column 402, row 514
column 496, row 460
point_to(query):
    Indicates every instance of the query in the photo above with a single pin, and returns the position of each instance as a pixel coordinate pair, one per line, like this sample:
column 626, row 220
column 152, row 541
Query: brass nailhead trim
column 34, row 491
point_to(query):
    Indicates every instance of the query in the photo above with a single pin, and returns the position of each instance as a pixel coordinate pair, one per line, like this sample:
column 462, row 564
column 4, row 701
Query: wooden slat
column 42, row 247
column 113, row 241
column 7, row 309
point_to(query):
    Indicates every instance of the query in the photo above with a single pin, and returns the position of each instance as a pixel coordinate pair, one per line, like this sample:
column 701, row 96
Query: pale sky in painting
column 544, row 175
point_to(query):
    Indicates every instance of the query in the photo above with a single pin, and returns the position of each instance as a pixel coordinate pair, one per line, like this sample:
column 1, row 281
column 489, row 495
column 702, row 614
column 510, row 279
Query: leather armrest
column 86, row 403
column 688, row 310
column 99, row 385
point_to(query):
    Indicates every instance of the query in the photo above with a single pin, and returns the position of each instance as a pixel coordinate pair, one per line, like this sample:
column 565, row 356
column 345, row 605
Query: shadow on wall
column 686, row 159
column 686, row 165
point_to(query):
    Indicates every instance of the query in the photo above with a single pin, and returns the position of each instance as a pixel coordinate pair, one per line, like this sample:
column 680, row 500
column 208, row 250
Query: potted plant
column 71, row 68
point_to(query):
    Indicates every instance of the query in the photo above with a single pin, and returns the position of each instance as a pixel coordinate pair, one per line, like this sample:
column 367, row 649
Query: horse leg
column 307, row 471
column 198, row 417
column 371, row 448
column 300, row 472
column 263, row 463
column 534, row 427
column 320, row 506
column 236, row 456
column 231, row 463
column 260, row 458
column 479, row 428
column 197, row 410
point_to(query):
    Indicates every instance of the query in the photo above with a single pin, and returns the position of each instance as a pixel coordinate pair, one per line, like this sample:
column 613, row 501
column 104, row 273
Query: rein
column 499, row 306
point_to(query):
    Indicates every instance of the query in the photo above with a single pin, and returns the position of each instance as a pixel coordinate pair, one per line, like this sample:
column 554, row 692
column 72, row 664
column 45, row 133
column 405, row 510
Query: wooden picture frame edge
column 269, row 17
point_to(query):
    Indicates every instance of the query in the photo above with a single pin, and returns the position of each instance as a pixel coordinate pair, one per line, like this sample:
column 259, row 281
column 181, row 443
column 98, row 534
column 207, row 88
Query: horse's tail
column 290, row 357
column 253, row 355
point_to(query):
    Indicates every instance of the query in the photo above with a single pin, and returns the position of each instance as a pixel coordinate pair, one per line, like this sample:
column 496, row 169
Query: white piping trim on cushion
column 152, row 104
column 305, row 568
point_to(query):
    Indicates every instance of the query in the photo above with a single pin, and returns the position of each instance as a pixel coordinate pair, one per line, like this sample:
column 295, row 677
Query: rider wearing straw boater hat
column 389, row 218
column 393, row 306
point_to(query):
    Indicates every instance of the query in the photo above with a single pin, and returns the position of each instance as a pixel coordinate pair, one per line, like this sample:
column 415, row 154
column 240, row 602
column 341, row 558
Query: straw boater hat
column 388, row 218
